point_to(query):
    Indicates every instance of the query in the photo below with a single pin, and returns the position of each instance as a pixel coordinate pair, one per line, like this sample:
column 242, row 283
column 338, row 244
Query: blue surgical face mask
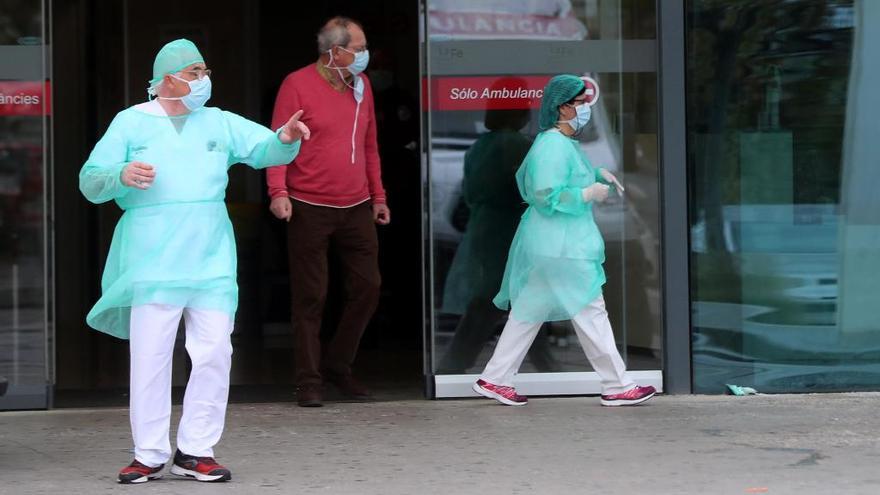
column 361, row 59
column 581, row 118
column 199, row 93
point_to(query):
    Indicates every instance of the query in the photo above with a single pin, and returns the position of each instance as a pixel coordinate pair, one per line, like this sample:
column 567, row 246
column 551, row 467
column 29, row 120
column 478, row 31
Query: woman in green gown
column 554, row 267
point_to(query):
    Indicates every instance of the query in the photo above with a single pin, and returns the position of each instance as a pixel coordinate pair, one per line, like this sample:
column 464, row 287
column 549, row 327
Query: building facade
column 745, row 250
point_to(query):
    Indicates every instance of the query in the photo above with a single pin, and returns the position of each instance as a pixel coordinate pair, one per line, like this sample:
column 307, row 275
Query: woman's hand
column 610, row 178
column 596, row 192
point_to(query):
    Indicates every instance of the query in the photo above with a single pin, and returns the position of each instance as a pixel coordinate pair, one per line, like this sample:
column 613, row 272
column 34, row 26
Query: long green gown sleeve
column 546, row 178
column 255, row 145
column 100, row 177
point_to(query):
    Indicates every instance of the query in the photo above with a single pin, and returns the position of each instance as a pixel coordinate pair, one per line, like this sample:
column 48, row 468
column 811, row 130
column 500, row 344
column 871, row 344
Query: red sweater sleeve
column 371, row 148
column 286, row 104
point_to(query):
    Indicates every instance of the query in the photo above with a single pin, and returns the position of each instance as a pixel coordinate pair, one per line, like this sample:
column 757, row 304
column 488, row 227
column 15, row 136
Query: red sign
column 24, row 98
column 487, row 93
column 495, row 93
column 480, row 25
column 592, row 90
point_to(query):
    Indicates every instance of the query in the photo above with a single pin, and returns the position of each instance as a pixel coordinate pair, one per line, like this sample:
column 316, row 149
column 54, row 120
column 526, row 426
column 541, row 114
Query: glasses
column 197, row 73
column 354, row 51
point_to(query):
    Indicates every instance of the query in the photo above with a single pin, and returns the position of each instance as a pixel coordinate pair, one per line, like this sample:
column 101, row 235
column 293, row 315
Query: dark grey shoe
column 310, row 395
column 348, row 386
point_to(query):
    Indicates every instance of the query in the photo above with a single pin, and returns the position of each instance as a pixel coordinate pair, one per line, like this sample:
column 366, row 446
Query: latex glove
column 609, row 177
column 138, row 174
column 596, row 192
column 281, row 208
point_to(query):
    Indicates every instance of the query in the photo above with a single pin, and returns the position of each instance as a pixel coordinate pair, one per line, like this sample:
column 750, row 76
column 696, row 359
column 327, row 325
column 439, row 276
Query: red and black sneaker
column 200, row 468
column 504, row 395
column 139, row 473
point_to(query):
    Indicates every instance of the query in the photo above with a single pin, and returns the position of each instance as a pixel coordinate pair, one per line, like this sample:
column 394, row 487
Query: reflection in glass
column 469, row 171
column 23, row 342
column 541, row 19
column 785, row 229
column 488, row 212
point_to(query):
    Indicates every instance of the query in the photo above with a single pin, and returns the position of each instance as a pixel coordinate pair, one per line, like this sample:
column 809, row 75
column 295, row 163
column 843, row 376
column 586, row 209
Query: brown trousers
column 351, row 233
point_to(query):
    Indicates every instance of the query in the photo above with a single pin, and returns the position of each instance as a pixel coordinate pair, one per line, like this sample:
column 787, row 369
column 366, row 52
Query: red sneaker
column 504, row 395
column 631, row 397
column 200, row 468
column 139, row 473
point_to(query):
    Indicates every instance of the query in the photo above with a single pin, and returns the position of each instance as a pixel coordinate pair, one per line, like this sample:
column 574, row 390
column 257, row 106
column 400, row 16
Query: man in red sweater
column 331, row 195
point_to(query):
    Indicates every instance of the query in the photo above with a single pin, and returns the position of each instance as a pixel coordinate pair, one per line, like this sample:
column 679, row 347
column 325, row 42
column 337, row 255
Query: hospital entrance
column 101, row 64
column 447, row 75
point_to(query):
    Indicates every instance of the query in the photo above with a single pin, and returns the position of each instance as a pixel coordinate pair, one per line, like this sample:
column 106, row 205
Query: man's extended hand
column 294, row 130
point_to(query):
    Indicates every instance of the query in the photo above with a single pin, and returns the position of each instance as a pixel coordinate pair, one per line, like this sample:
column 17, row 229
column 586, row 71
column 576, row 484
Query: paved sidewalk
column 794, row 444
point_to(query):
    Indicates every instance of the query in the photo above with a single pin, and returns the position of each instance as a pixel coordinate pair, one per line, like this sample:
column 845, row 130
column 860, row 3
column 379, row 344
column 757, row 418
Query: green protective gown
column 554, row 268
column 174, row 243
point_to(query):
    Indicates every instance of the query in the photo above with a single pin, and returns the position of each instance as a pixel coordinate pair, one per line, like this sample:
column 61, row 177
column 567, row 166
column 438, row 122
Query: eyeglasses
column 197, row 73
column 355, row 51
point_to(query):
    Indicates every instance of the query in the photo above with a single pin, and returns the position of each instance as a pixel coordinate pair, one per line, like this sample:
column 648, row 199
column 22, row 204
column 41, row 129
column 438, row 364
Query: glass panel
column 487, row 64
column 785, row 219
column 23, row 107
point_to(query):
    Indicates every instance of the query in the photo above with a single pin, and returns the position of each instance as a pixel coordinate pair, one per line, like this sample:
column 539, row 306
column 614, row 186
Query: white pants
column 594, row 332
column 153, row 332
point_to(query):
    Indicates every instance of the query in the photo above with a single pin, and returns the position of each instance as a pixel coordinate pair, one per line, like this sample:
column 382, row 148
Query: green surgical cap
column 559, row 90
column 174, row 57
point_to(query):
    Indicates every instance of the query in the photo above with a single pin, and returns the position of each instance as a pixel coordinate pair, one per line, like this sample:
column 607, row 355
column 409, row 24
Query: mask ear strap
column 330, row 64
column 330, row 60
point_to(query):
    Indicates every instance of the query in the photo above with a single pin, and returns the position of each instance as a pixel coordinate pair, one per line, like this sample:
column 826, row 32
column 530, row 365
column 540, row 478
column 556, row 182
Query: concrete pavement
column 780, row 444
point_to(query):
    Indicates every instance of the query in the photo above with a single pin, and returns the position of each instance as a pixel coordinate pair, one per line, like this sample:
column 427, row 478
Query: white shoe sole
column 179, row 471
column 618, row 403
column 142, row 479
column 492, row 395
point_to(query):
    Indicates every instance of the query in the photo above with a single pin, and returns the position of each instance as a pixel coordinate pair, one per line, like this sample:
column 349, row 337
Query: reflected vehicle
column 21, row 224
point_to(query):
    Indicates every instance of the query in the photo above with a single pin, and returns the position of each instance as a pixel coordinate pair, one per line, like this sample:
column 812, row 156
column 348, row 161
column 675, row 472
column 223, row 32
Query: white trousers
column 153, row 332
column 594, row 333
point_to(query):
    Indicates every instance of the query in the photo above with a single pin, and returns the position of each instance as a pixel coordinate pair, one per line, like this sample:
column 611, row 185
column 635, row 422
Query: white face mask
column 199, row 93
column 581, row 118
